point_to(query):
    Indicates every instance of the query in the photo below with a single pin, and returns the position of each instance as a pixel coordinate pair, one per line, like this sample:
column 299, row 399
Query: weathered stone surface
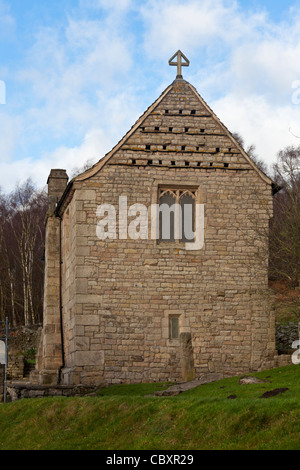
column 285, row 336
column 187, row 357
column 251, row 380
column 176, row 389
column 118, row 295
column 18, row 391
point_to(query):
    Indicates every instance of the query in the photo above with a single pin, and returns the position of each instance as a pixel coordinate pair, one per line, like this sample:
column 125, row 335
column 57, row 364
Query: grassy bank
column 122, row 418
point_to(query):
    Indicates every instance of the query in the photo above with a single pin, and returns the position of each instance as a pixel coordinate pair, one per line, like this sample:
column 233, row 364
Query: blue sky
column 79, row 73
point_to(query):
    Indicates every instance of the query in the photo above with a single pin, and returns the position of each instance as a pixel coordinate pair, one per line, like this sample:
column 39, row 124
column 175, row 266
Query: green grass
column 133, row 390
column 126, row 418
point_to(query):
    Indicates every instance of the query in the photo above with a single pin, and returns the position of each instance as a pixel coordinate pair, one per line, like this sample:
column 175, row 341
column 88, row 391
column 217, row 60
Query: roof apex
column 101, row 163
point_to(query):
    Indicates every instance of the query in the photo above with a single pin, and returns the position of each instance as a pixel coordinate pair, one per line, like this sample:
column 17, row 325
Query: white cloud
column 74, row 82
column 243, row 45
column 266, row 66
column 68, row 70
column 94, row 145
column 11, row 129
column 192, row 25
column 269, row 128
column 242, row 63
column 85, row 82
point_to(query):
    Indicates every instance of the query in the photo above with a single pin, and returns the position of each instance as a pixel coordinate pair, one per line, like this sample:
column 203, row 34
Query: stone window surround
column 177, row 195
column 200, row 198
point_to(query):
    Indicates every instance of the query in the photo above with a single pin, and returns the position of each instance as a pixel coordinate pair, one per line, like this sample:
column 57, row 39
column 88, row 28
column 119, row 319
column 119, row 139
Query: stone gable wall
column 117, row 317
column 118, row 295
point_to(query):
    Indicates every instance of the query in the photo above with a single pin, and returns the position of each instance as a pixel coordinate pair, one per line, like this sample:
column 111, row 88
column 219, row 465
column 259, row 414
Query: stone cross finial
column 179, row 63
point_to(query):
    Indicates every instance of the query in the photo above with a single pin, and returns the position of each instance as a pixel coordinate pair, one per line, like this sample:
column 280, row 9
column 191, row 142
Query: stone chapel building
column 125, row 309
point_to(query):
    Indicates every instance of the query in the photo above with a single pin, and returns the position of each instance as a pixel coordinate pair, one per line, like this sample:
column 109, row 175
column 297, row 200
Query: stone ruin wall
column 118, row 296
column 117, row 305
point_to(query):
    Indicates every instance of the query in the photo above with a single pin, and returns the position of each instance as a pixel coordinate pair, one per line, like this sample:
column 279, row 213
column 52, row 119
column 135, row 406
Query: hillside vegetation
column 220, row 415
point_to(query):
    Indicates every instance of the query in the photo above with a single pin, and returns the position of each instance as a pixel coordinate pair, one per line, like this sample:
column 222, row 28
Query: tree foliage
column 251, row 151
column 22, row 238
column 285, row 226
column 22, row 221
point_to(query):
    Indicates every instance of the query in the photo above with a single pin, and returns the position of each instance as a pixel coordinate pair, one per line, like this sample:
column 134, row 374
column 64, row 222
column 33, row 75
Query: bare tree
column 77, row 171
column 251, row 151
column 25, row 203
column 22, row 216
column 7, row 271
column 280, row 242
column 285, row 228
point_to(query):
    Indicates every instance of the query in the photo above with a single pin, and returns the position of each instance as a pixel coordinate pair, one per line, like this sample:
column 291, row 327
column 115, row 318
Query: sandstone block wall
column 15, row 368
column 119, row 295
column 49, row 357
column 117, row 317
